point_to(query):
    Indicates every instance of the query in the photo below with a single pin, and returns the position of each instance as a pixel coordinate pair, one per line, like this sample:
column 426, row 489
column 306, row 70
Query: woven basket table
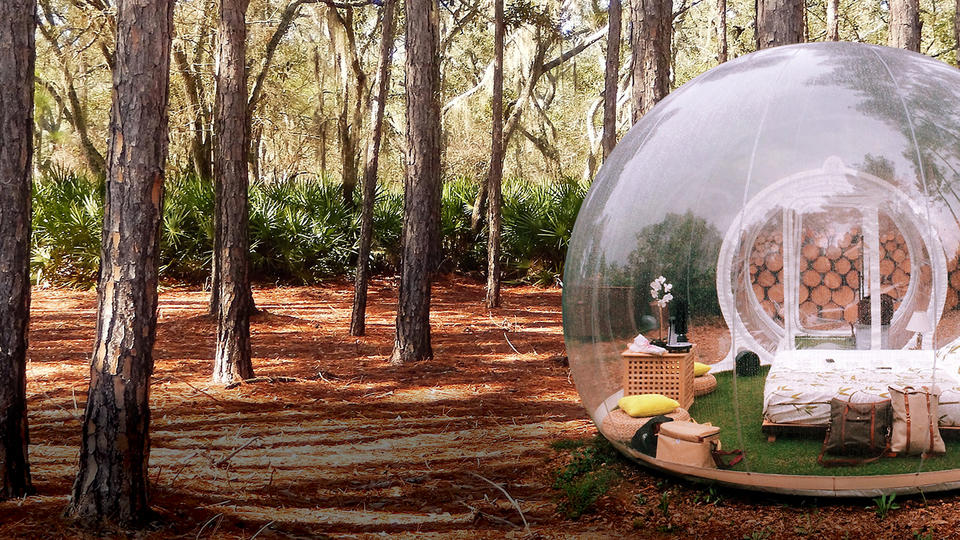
column 669, row 374
column 620, row 426
column 704, row 384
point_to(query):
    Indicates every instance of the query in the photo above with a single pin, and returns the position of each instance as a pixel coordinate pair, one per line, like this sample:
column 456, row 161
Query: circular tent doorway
column 824, row 234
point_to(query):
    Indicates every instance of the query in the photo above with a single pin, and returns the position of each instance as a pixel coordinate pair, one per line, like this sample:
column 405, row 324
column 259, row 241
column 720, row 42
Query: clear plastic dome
column 803, row 203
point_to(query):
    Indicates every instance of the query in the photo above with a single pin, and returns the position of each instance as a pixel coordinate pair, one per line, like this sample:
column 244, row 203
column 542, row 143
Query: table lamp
column 919, row 323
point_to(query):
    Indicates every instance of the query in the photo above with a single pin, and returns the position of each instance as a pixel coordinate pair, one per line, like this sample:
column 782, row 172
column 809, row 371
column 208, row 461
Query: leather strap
column 718, row 458
column 906, row 412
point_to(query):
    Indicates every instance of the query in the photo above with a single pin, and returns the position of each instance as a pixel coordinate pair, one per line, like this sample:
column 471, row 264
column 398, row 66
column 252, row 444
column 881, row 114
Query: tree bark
column 231, row 132
column 833, row 20
column 17, row 27
column 537, row 68
column 495, row 176
column 358, row 318
column 73, row 110
column 722, row 31
column 956, row 31
column 422, row 183
column 610, row 79
column 779, row 22
column 199, row 143
column 112, row 483
column 652, row 30
column 352, row 89
column 904, row 30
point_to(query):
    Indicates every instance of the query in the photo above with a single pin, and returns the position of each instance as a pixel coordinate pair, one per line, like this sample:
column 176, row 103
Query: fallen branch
column 269, row 523
column 526, row 526
column 491, row 517
column 201, row 391
column 510, row 344
column 262, row 379
column 221, row 461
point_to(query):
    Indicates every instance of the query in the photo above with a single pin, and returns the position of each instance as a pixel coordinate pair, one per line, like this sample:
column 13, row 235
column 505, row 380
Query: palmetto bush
column 537, row 222
column 186, row 238
column 300, row 229
column 67, row 219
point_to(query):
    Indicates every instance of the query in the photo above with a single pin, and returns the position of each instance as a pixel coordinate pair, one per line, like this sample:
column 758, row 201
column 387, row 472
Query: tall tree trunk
column 495, row 177
column 199, row 143
column 652, row 31
column 352, row 89
column 956, row 31
column 779, row 22
column 16, row 151
column 537, row 68
column 904, row 30
column 610, row 79
column 231, row 140
column 112, row 482
column 73, row 109
column 833, row 20
column 358, row 319
column 422, row 183
column 721, row 31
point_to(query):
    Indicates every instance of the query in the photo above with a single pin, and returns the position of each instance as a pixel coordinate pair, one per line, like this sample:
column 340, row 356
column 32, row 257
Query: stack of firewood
column 830, row 272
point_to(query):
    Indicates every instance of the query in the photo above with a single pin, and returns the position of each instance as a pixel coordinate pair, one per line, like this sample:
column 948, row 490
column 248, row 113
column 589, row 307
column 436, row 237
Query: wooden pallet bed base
column 772, row 430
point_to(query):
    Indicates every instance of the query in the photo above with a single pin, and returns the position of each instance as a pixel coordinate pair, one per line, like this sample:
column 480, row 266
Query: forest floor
column 349, row 446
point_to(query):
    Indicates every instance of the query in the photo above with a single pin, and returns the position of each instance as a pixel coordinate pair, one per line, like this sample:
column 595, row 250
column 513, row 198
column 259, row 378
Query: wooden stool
column 704, row 384
column 620, row 426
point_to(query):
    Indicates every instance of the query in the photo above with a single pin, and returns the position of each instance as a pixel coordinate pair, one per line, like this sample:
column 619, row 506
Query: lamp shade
column 919, row 322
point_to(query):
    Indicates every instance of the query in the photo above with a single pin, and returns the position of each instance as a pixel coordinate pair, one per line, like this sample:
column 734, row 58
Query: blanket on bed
column 801, row 383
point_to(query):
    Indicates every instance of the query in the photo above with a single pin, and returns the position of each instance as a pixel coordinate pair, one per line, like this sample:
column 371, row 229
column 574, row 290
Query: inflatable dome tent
column 803, row 203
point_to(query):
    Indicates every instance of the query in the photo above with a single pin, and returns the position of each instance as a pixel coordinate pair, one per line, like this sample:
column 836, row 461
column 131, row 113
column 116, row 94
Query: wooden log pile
column 831, row 270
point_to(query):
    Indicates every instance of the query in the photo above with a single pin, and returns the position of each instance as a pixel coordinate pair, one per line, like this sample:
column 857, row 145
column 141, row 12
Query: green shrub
column 586, row 478
column 301, row 230
column 67, row 222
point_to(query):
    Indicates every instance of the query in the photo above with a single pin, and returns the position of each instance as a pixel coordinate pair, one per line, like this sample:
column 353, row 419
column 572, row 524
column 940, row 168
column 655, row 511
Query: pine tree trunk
column 358, row 318
column 112, row 481
column 652, row 30
column 495, row 176
column 231, row 140
column 956, row 31
column 721, row 31
column 16, row 151
column 779, row 22
column 833, row 20
column 422, row 184
column 904, row 25
column 610, row 78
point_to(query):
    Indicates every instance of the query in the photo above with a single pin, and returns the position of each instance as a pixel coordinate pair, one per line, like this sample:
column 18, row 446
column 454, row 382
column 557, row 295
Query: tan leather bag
column 916, row 420
column 688, row 443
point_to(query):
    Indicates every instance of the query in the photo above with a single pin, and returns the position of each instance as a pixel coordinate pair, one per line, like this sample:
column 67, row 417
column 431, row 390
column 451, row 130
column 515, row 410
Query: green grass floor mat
column 736, row 406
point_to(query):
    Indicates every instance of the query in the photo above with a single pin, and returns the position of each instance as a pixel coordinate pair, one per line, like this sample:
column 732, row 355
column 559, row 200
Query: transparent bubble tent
column 804, row 204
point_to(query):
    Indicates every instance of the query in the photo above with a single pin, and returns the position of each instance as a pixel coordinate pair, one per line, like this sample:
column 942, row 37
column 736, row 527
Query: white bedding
column 801, row 383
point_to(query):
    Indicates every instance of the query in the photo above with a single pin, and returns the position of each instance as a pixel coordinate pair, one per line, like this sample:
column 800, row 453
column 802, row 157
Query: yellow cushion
column 641, row 405
column 699, row 370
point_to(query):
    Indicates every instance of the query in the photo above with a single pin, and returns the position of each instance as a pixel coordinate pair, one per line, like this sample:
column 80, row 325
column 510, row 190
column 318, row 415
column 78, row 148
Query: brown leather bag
column 858, row 432
column 916, row 421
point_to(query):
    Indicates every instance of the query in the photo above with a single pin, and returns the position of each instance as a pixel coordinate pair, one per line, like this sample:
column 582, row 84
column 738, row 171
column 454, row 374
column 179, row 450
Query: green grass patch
column 589, row 474
column 740, row 414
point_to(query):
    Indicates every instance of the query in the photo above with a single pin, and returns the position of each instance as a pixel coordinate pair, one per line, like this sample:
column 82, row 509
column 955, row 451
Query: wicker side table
column 670, row 374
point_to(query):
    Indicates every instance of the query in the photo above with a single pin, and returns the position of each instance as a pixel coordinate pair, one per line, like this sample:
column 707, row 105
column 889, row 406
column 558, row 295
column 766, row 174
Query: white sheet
column 801, row 383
